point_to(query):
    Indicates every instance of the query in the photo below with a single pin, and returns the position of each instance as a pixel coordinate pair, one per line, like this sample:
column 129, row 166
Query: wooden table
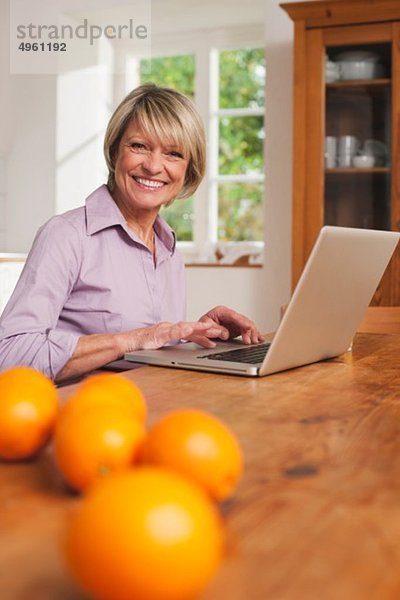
column 317, row 514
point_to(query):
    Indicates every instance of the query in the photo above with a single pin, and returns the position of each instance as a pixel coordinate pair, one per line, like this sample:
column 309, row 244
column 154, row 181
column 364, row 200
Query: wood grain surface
column 317, row 514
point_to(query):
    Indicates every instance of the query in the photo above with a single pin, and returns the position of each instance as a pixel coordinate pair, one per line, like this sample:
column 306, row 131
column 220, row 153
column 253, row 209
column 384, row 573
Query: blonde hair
column 165, row 115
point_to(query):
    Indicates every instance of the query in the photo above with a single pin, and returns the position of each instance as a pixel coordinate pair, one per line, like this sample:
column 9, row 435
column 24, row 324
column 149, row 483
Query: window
column 239, row 116
column 226, row 80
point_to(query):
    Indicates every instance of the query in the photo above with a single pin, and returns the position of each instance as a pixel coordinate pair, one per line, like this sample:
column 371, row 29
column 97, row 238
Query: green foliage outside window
column 240, row 212
column 180, row 217
column 241, row 145
column 242, row 78
column 176, row 72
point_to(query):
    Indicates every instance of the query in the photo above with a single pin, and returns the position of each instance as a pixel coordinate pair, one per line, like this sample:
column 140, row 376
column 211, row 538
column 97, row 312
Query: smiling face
column 149, row 173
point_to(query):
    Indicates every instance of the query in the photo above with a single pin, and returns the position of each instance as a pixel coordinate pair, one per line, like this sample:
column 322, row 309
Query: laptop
column 329, row 302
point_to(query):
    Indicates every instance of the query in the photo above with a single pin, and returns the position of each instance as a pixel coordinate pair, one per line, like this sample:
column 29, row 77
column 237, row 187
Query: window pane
column 241, row 145
column 170, row 71
column 180, row 217
column 242, row 78
column 240, row 212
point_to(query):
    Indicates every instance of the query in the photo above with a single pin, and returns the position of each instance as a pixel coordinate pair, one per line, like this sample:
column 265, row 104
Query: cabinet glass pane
column 358, row 136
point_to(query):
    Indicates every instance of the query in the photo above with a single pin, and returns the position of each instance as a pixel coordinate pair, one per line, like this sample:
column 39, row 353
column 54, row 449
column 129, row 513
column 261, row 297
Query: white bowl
column 364, row 55
column 363, row 161
column 377, row 150
column 331, row 75
column 357, row 69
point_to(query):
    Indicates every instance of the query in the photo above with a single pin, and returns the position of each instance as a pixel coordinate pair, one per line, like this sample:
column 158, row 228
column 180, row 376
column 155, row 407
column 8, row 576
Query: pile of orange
column 147, row 527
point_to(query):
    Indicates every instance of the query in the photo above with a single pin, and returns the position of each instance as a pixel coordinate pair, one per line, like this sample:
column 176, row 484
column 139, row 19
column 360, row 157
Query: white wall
column 278, row 158
column 238, row 288
column 31, row 164
column 84, row 102
column 5, row 121
column 27, row 121
column 51, row 141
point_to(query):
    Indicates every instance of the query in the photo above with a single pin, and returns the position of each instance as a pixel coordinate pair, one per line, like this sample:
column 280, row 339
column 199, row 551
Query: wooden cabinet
column 346, row 165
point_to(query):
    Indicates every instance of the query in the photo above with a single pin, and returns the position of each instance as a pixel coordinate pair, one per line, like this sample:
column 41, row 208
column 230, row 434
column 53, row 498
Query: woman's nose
column 153, row 162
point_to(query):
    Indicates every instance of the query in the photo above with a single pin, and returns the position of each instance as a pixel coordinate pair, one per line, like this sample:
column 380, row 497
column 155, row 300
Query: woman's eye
column 175, row 154
column 138, row 146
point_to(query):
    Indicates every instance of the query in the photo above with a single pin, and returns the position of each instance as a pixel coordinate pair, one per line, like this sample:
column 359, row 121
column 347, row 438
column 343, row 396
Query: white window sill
column 228, row 254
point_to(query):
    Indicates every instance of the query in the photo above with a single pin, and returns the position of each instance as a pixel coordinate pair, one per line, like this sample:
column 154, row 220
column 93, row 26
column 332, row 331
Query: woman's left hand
column 232, row 324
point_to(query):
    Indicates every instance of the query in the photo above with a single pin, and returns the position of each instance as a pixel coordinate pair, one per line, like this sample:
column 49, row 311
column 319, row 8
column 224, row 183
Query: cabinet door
column 352, row 146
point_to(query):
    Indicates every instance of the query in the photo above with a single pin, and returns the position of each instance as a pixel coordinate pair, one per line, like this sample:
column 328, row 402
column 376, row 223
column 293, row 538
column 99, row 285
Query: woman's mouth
column 150, row 184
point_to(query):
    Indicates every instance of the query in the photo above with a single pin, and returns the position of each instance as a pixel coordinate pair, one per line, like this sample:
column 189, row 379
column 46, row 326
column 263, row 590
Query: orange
column 199, row 446
column 28, row 409
column 145, row 534
column 108, row 389
column 90, row 444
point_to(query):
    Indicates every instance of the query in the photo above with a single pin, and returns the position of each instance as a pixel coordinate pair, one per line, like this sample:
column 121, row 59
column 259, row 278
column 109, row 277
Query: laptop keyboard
column 250, row 355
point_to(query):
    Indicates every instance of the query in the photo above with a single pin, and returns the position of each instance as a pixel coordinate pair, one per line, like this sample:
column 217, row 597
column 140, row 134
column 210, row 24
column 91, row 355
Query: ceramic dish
column 363, row 161
column 359, row 64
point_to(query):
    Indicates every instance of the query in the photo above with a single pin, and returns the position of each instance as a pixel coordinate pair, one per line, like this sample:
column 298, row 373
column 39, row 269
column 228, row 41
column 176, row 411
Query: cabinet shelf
column 359, row 83
column 356, row 170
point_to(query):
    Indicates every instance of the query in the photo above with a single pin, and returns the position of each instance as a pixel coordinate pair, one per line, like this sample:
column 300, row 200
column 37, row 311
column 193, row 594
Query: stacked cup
column 330, row 152
column 348, row 146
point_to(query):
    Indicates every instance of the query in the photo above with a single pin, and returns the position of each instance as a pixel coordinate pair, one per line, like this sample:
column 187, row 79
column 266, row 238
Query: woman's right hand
column 157, row 336
column 95, row 350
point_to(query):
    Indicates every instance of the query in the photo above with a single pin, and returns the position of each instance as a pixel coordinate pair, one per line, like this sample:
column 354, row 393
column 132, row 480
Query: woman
column 105, row 279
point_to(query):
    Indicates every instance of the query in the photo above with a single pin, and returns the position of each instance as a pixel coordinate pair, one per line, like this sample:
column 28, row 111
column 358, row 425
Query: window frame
column 205, row 46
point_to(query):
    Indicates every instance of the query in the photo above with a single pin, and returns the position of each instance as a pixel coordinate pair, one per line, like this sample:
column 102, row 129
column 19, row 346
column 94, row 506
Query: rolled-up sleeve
column 28, row 333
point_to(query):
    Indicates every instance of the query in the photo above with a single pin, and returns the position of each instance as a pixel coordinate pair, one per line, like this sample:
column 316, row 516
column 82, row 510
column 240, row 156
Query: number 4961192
column 43, row 46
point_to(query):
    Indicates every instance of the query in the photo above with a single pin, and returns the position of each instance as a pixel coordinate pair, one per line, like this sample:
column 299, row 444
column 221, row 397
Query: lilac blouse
column 87, row 272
